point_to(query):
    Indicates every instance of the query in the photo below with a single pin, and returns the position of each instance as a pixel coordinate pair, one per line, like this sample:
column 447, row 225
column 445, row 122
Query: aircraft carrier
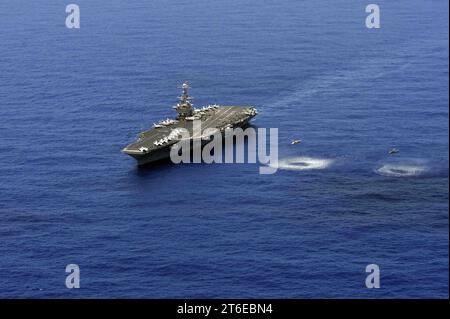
column 155, row 144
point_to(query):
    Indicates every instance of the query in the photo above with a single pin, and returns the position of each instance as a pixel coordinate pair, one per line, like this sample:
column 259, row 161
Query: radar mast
column 184, row 107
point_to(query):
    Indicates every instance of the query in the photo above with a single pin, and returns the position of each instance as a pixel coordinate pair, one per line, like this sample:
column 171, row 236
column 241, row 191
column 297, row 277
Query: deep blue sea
column 71, row 99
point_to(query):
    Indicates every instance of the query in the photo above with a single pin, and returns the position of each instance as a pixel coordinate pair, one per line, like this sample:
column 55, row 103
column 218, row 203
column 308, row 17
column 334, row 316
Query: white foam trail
column 304, row 163
column 400, row 170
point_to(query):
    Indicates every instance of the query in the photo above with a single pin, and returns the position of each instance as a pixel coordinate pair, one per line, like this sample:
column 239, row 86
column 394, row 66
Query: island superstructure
column 155, row 144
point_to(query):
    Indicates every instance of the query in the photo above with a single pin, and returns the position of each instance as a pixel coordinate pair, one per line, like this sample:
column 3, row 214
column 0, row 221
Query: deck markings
column 220, row 115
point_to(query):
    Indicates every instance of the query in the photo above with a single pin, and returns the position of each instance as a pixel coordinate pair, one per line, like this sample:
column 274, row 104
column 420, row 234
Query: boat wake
column 304, row 163
column 361, row 70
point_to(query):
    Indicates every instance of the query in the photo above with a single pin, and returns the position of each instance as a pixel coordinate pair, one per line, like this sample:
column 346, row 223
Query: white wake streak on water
column 401, row 170
column 304, row 163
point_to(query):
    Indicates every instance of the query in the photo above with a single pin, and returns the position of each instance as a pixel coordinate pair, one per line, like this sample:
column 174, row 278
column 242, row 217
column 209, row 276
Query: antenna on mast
column 184, row 107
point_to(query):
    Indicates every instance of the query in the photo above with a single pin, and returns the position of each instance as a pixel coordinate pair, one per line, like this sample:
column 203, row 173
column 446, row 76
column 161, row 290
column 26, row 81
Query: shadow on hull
column 164, row 162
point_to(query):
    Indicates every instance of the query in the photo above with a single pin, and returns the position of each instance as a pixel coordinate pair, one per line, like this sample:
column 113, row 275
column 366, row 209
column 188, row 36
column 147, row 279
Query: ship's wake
column 304, row 163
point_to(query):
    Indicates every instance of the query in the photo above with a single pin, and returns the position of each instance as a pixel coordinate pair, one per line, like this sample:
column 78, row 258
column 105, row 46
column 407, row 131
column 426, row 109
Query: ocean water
column 70, row 100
